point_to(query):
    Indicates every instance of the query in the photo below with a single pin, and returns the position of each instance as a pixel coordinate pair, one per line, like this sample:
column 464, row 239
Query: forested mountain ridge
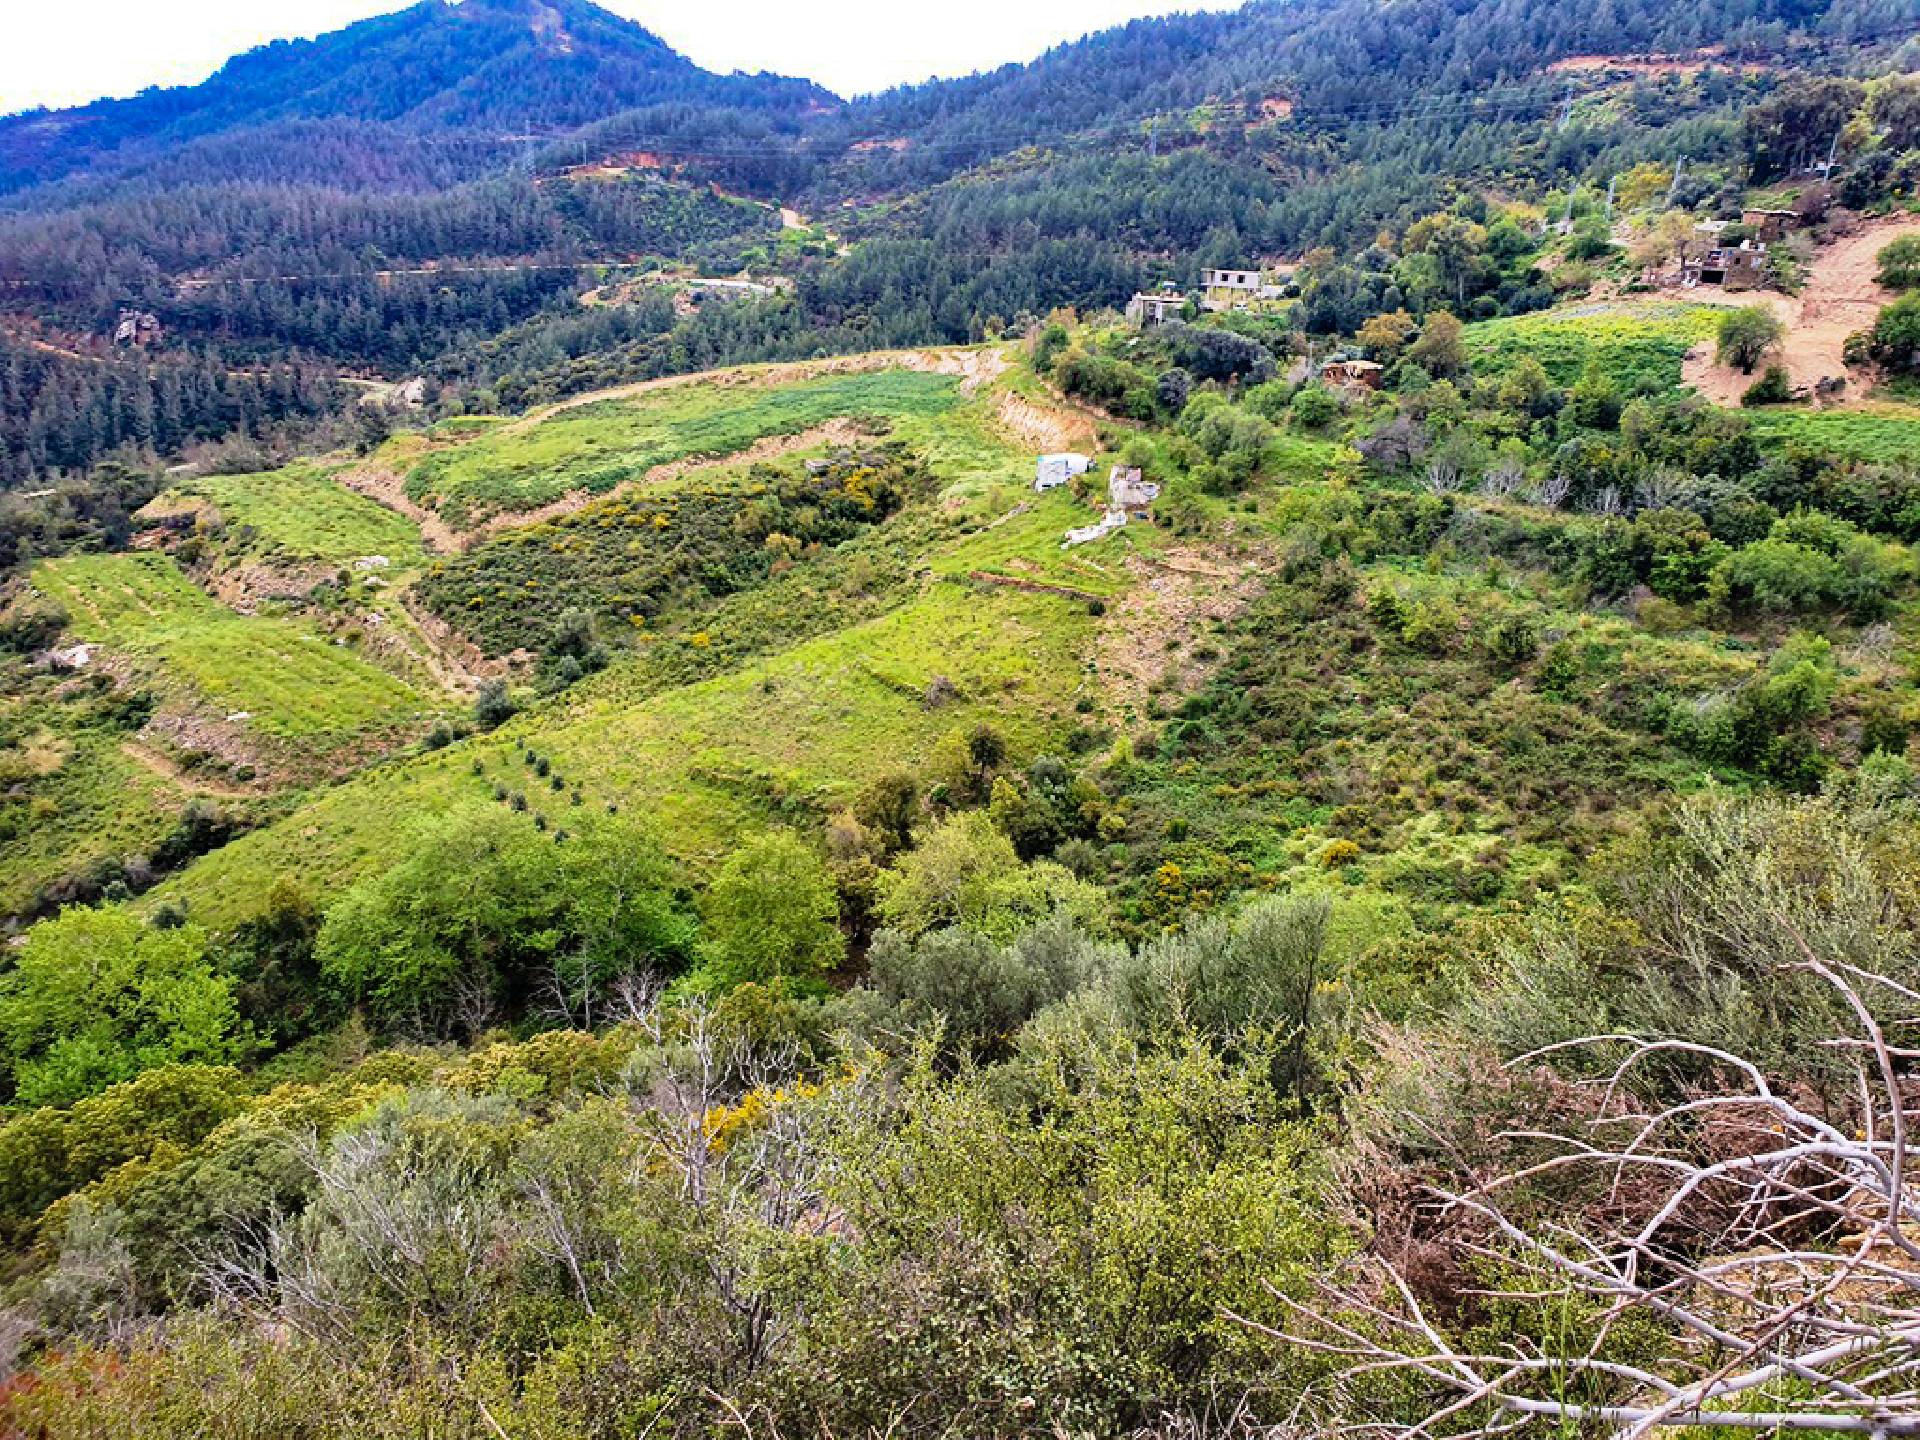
column 492, row 69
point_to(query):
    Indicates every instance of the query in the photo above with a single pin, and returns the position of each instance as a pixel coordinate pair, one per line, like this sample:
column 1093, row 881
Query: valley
column 1213, row 737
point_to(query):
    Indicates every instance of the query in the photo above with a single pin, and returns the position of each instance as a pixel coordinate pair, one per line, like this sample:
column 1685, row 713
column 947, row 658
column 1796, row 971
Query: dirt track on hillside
column 1839, row 298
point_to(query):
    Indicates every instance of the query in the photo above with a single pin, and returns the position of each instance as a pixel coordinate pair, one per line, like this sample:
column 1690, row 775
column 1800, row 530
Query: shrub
column 771, row 913
column 1772, row 388
column 1746, row 336
column 1894, row 340
column 492, row 706
column 95, row 997
column 1313, row 407
column 1900, row 263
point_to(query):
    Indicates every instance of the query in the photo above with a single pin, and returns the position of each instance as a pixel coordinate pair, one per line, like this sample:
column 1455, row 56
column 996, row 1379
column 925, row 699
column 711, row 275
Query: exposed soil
column 169, row 769
column 1048, row 428
column 1653, row 65
column 1838, row 299
column 1150, row 631
column 389, row 487
column 227, row 740
column 246, row 587
column 454, row 660
column 1032, row 587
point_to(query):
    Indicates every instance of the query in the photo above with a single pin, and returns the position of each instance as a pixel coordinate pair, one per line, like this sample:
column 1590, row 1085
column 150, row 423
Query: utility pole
column 1153, row 138
column 1674, row 189
column 1566, row 111
column 1612, row 180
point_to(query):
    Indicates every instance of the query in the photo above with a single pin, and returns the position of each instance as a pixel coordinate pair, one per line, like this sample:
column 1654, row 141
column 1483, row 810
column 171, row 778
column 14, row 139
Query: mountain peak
column 477, row 68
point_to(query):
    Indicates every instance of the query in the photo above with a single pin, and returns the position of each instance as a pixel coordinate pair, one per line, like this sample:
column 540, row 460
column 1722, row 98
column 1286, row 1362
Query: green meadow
column 291, row 681
column 1638, row 348
column 302, row 513
column 597, row 446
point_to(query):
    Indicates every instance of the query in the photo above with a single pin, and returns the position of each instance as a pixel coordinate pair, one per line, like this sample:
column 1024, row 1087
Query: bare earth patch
column 1150, row 631
column 1047, row 428
column 1838, row 299
column 389, row 487
column 167, row 768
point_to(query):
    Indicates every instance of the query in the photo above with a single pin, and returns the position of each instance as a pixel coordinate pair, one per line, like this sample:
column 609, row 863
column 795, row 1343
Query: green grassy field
column 596, row 447
column 1639, row 348
column 74, row 795
column 291, row 681
column 302, row 513
column 781, row 740
column 1887, row 434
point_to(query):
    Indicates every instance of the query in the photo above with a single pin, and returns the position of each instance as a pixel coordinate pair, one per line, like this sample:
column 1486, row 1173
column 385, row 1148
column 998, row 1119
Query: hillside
column 703, row 776
column 488, row 71
column 433, row 192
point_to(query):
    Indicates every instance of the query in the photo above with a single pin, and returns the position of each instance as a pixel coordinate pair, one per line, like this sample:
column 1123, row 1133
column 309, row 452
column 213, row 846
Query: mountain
column 495, row 69
column 430, row 191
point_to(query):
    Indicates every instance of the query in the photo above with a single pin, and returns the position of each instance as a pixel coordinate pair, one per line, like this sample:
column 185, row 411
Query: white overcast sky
column 64, row 52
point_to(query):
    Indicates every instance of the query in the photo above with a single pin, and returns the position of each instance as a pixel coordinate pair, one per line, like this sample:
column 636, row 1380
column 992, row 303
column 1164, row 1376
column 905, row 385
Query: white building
column 1053, row 471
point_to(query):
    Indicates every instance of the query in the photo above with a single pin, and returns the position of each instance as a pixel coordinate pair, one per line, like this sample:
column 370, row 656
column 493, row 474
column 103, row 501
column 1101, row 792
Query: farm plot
column 781, row 742
column 598, row 446
column 1641, row 348
column 301, row 513
column 1885, row 434
column 286, row 679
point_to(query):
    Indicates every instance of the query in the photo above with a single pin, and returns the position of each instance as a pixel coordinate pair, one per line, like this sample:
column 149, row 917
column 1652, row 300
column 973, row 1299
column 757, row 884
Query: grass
column 292, row 682
column 1640, row 348
column 1023, row 545
column 301, row 513
column 782, row 741
column 1886, row 434
column 596, row 447
column 73, row 795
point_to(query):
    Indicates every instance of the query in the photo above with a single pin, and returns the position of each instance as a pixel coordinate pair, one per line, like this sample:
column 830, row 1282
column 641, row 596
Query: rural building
column 1053, row 471
column 1733, row 267
column 1128, row 492
column 1343, row 374
column 137, row 327
column 1768, row 226
column 1238, row 289
column 1149, row 311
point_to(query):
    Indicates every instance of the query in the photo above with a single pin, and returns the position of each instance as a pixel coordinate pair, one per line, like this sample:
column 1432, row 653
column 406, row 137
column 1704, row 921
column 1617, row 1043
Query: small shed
column 1053, row 471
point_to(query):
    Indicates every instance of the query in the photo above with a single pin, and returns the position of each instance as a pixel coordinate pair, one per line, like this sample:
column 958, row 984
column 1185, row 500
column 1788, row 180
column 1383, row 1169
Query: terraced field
column 598, row 446
column 1883, row 434
column 1640, row 346
column 301, row 513
column 288, row 680
column 780, row 741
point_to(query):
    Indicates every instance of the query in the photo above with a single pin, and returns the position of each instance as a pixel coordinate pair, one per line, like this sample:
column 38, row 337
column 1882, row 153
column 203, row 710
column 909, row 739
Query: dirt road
column 1838, row 299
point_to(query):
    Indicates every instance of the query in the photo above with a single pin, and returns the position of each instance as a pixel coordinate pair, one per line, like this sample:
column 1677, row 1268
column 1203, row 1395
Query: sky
column 65, row 52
